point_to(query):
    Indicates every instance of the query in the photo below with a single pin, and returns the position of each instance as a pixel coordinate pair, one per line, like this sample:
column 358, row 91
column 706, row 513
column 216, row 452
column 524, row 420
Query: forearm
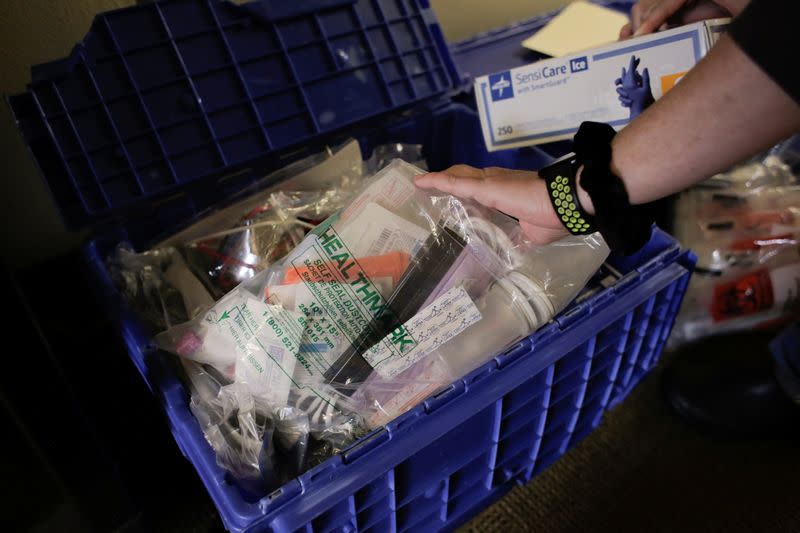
column 725, row 110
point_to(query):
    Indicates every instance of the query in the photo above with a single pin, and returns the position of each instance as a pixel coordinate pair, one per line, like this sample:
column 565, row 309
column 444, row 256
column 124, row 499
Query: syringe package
column 393, row 297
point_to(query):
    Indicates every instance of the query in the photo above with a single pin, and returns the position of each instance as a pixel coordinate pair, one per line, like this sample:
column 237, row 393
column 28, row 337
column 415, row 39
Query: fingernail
column 638, row 32
column 421, row 180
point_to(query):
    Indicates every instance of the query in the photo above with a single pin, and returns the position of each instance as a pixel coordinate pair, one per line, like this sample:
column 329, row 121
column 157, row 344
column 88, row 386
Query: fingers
column 636, row 16
column 464, row 171
column 541, row 234
column 626, row 31
column 646, row 78
column 618, row 81
column 626, row 102
column 622, row 92
column 624, row 75
column 520, row 194
column 657, row 15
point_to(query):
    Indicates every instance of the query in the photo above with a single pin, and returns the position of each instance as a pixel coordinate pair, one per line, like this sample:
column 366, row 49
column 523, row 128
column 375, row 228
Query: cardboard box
column 547, row 100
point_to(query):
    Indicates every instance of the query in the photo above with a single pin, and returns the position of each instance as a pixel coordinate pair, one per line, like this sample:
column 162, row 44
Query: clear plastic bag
column 225, row 252
column 159, row 285
column 745, row 297
column 383, row 303
column 237, row 424
column 384, row 154
column 745, row 234
column 265, row 234
column 260, row 445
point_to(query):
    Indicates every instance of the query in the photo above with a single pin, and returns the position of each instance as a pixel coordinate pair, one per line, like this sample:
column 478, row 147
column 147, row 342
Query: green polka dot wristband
column 562, row 189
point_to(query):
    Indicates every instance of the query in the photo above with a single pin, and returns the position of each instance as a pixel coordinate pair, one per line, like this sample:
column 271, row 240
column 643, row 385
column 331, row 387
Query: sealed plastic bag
column 233, row 245
column 159, row 285
column 740, row 228
column 237, row 424
column 225, row 251
column 379, row 306
column 265, row 234
column 743, row 298
column 487, row 316
column 746, row 235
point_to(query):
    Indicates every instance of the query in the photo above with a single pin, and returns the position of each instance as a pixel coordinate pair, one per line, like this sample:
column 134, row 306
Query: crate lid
column 160, row 96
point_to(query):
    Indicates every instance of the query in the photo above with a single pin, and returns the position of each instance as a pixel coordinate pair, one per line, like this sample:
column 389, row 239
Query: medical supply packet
column 744, row 226
column 548, row 100
column 382, row 304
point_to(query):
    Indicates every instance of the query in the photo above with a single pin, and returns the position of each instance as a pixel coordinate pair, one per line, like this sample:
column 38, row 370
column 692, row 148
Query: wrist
column 589, row 195
column 583, row 197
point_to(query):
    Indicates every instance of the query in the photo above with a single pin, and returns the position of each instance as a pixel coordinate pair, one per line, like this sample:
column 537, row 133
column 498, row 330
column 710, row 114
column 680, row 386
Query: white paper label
column 392, row 190
column 338, row 300
column 441, row 320
column 378, row 231
column 267, row 341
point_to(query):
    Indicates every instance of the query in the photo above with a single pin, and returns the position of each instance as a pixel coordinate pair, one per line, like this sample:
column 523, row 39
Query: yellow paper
column 579, row 26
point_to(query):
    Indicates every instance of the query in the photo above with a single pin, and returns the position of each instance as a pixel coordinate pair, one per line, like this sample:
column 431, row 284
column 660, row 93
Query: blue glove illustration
column 634, row 88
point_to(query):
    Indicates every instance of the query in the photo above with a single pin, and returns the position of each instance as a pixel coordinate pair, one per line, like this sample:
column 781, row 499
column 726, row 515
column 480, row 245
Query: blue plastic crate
column 519, row 412
column 160, row 96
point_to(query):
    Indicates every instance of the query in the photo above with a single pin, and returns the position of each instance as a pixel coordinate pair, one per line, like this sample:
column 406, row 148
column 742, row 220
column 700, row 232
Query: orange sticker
column 668, row 82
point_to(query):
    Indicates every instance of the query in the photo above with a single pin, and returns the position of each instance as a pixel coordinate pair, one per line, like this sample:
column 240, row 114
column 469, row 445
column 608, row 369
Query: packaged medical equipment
column 233, row 243
column 744, row 226
column 380, row 306
column 548, row 100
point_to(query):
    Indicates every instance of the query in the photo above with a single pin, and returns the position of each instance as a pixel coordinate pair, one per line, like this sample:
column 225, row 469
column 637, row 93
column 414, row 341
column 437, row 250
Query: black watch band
column 625, row 227
column 562, row 189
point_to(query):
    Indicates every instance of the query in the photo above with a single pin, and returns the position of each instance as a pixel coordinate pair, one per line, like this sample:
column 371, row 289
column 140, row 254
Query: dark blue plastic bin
column 165, row 110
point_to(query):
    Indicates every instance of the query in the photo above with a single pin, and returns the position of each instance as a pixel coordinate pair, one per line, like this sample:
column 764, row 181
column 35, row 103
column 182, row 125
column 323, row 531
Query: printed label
column 337, row 298
column 447, row 316
column 272, row 346
column 266, row 339
column 378, row 231
column 391, row 190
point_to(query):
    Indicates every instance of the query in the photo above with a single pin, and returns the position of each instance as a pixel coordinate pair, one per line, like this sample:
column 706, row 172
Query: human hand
column 634, row 88
column 519, row 193
column 648, row 16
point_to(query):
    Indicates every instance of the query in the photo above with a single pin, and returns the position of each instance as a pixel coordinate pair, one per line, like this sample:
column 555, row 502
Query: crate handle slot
column 365, row 445
column 453, row 391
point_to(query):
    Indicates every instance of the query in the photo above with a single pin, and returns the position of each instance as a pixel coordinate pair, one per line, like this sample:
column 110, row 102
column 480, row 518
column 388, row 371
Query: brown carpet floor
column 643, row 470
